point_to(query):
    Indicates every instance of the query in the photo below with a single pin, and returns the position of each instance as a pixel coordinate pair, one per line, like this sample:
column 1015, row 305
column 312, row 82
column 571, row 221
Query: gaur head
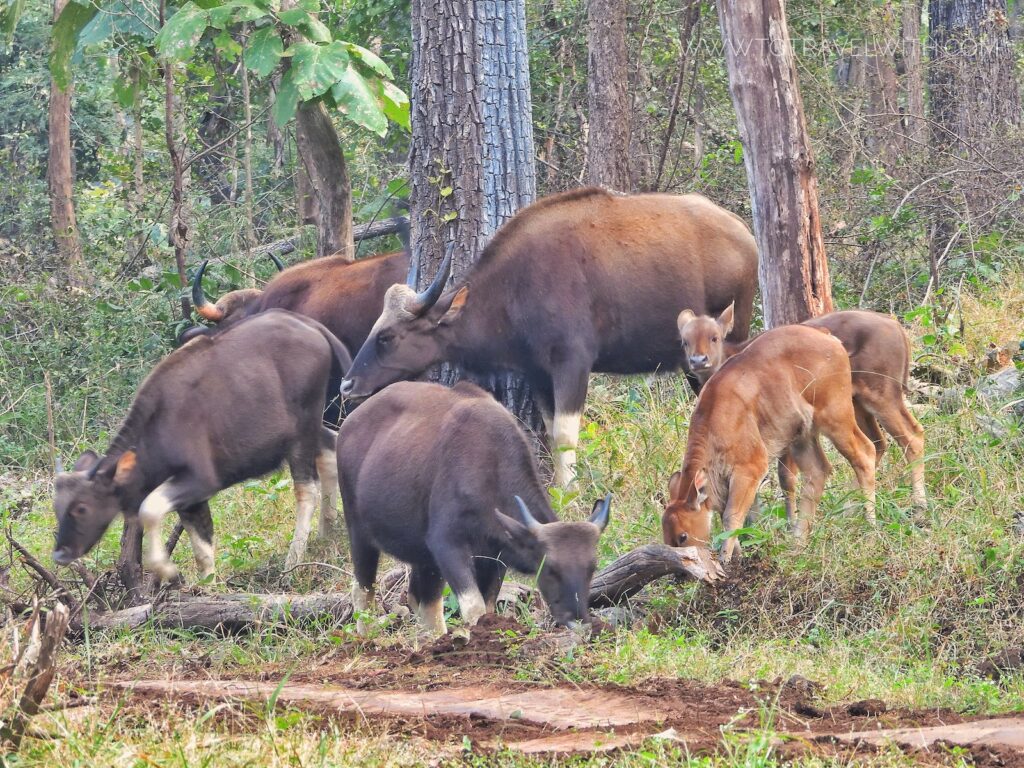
column 230, row 306
column 687, row 517
column 409, row 335
column 703, row 339
column 87, row 500
column 567, row 557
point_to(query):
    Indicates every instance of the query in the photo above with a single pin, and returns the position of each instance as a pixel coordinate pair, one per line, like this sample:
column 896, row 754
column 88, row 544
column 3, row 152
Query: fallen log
column 360, row 232
column 234, row 613
column 630, row 573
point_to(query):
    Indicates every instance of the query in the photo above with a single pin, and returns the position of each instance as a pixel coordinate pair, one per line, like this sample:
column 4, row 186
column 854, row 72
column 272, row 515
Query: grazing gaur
column 786, row 387
column 879, row 353
column 444, row 480
column 217, row 411
column 345, row 296
column 577, row 282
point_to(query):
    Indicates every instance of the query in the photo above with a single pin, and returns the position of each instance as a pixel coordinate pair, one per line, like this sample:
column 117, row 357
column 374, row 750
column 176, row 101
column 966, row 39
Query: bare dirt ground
column 448, row 691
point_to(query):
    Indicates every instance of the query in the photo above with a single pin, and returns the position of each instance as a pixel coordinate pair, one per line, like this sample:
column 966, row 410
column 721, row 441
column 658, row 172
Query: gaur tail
column 204, row 309
column 906, row 362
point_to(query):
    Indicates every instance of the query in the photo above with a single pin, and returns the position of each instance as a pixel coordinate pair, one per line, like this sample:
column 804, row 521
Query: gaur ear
column 458, row 302
column 700, row 482
column 125, row 467
column 684, row 317
column 673, row 485
column 85, row 461
column 725, row 319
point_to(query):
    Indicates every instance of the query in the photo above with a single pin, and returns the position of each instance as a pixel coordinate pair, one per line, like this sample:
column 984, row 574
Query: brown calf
column 789, row 385
column 880, row 361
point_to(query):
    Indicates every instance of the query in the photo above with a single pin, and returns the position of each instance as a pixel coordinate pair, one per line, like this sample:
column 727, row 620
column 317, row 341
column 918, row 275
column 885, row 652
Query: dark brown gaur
column 788, row 386
column 880, row 358
column 578, row 282
column 443, row 479
column 217, row 411
column 345, row 296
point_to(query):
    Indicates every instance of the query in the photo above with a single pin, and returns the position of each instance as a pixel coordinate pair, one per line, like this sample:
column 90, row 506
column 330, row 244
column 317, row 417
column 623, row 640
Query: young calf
column 789, row 385
column 444, row 480
column 219, row 410
column 879, row 354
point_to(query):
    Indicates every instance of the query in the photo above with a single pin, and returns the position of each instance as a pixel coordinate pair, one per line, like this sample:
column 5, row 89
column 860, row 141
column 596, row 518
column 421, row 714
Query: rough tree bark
column 913, row 74
column 793, row 269
column 972, row 82
column 178, row 231
column 608, row 110
column 471, row 154
column 60, row 178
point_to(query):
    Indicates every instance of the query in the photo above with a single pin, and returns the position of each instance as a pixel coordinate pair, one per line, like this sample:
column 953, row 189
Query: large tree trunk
column 61, row 180
column 913, row 74
column 608, row 100
column 974, row 91
column 324, row 162
column 472, row 142
column 793, row 269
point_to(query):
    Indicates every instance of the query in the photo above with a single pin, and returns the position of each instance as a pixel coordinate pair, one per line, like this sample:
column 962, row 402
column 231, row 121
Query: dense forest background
column 913, row 111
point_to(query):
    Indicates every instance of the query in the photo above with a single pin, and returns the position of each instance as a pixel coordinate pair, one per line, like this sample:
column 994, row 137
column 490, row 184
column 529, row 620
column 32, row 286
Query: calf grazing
column 788, row 385
column 444, row 480
column 217, row 411
column 879, row 352
column 578, row 282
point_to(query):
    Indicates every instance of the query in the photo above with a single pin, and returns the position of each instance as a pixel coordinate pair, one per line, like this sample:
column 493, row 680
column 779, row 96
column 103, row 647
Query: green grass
column 901, row 612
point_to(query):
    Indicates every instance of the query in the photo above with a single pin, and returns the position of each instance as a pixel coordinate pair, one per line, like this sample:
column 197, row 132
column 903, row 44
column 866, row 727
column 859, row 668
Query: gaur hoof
column 165, row 571
column 460, row 637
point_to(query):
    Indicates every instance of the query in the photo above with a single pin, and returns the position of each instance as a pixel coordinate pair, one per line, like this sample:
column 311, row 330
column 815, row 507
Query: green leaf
column 293, row 17
column 69, row 24
column 357, row 101
column 263, row 50
column 393, row 102
column 180, row 35
column 236, row 12
column 126, row 91
column 308, row 24
column 129, row 18
column 287, row 99
column 372, row 60
column 318, row 67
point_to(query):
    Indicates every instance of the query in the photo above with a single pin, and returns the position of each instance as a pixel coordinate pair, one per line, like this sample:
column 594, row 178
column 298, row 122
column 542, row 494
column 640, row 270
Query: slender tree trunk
column 472, row 150
column 793, row 269
column 324, row 162
column 61, row 180
column 250, row 225
column 913, row 75
column 178, row 232
column 608, row 110
column 687, row 23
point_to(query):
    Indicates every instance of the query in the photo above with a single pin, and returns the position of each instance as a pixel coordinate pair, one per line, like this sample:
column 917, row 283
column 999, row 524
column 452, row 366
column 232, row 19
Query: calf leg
column 810, row 459
column 869, row 426
column 490, row 573
column 172, row 494
column 365, row 559
column 426, row 587
column 303, row 469
column 198, row 523
column 841, row 428
column 787, row 482
column 742, row 492
column 894, row 416
column 570, row 387
column 327, row 470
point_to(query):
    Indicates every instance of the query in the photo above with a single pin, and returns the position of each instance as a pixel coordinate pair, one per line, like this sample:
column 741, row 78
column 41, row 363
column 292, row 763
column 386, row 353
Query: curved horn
column 602, row 510
column 414, row 272
column 204, row 309
column 277, row 262
column 528, row 520
column 426, row 298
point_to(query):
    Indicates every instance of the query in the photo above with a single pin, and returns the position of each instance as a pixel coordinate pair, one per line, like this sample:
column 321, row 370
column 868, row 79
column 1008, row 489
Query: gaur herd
column 444, row 479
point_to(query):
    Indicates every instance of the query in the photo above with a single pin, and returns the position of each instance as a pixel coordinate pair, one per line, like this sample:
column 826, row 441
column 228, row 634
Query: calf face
column 687, row 517
column 567, row 553
column 86, row 502
column 703, row 341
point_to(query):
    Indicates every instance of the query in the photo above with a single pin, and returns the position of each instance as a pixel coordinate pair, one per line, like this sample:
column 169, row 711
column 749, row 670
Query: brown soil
column 448, row 690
